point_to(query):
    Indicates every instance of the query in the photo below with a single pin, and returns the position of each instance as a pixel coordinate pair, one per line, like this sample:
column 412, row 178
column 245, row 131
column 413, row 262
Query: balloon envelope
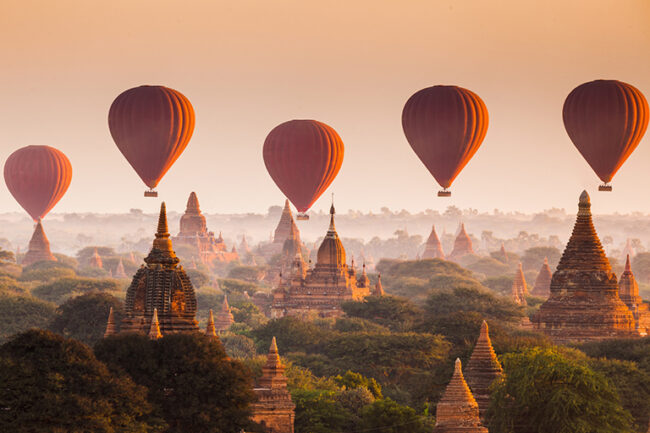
column 605, row 120
column 151, row 125
column 37, row 177
column 303, row 157
column 445, row 126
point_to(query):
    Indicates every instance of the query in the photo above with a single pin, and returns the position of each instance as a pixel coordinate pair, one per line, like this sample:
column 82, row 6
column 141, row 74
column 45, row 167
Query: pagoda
column 224, row 317
column 628, row 290
column 324, row 288
column 96, row 261
column 210, row 329
column 110, row 324
column 519, row 289
column 584, row 304
column 457, row 411
column 194, row 233
column 274, row 409
column 162, row 286
column 462, row 245
column 433, row 247
column 482, row 369
column 542, row 286
column 501, row 255
column 39, row 248
column 119, row 270
column 378, row 290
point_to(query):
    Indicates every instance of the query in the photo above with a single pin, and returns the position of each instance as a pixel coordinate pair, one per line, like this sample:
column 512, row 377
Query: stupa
column 274, row 409
column 320, row 290
column 457, row 411
column 210, row 329
column 39, row 247
column 462, row 245
column 378, row 290
column 194, row 233
column 628, row 290
column 519, row 289
column 482, row 369
column 433, row 247
column 286, row 225
column 224, row 317
column 110, row 324
column 584, row 304
column 119, row 270
column 542, row 286
column 501, row 255
column 160, row 285
column 96, row 261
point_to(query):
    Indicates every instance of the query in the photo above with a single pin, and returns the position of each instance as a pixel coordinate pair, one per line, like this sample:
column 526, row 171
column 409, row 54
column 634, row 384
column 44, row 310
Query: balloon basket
column 444, row 193
column 151, row 193
column 605, row 188
column 302, row 217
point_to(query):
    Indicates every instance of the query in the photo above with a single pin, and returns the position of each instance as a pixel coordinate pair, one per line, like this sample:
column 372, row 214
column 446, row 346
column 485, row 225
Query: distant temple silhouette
column 39, row 247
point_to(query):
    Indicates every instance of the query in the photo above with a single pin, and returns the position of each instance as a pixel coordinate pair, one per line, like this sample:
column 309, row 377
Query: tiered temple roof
column 457, row 411
column 194, row 233
column 433, row 247
column 542, row 286
column 160, row 285
column 274, row 408
column 584, row 304
column 39, row 247
column 320, row 290
column 482, row 369
column 519, row 289
column 224, row 317
column 462, row 245
column 628, row 290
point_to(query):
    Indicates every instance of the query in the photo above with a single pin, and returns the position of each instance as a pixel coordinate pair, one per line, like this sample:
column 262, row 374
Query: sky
column 247, row 66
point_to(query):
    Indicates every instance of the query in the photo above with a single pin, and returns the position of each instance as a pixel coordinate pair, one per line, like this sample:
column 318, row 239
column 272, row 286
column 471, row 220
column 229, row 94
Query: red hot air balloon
column 151, row 125
column 605, row 119
column 303, row 157
column 445, row 126
column 37, row 177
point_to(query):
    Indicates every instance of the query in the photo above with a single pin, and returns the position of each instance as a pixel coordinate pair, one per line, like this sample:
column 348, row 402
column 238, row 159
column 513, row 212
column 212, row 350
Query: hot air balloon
column 445, row 126
column 303, row 157
column 37, row 177
column 151, row 125
column 605, row 119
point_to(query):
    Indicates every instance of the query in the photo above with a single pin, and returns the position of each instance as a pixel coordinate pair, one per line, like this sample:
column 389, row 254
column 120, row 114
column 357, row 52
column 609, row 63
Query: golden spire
column 482, row 369
column 110, row 324
column 210, row 331
column 154, row 330
column 379, row 289
column 457, row 407
column 162, row 241
column 273, row 371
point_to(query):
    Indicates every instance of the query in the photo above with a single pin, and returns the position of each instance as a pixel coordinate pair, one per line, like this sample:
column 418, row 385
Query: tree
column 192, row 384
column 54, row 384
column 533, row 258
column 61, row 290
column 397, row 314
column 391, row 417
column 641, row 266
column 473, row 299
column 352, row 380
column 84, row 317
column 47, row 274
column 488, row 266
column 19, row 313
column 546, row 391
column 292, row 335
column 319, row 411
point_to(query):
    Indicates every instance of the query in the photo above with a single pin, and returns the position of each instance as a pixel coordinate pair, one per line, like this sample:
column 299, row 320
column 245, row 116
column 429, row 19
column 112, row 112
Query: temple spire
column 224, row 317
column 457, row 410
column 482, row 369
column 542, row 285
column 210, row 330
column 110, row 324
column 193, row 204
column 519, row 290
column 39, row 247
column 154, row 330
column 433, row 247
column 379, row 289
column 273, row 370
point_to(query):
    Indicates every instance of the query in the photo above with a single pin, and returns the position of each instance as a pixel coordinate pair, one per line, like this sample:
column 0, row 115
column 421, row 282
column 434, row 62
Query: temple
column 501, row 255
column 39, row 248
column 162, row 286
column 96, row 261
column 286, row 228
column 584, row 304
column 119, row 270
column 433, row 247
column 457, row 411
column 462, row 245
column 110, row 324
column 482, row 369
column 210, row 329
column 194, row 233
column 274, row 409
column 224, row 317
column 320, row 290
column 519, row 289
column 542, row 286
column 378, row 290
column 628, row 290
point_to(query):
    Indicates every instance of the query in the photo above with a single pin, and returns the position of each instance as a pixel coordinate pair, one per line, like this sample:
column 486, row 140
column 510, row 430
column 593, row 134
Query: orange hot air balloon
column 303, row 157
column 605, row 119
column 445, row 126
column 151, row 125
column 37, row 177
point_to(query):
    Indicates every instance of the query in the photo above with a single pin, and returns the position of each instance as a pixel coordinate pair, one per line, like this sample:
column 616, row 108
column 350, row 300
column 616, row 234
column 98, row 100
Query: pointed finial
column 225, row 306
column 628, row 267
column 154, row 330
column 274, row 346
column 163, row 230
column 110, row 324
column 584, row 198
column 458, row 367
column 210, row 330
column 546, row 261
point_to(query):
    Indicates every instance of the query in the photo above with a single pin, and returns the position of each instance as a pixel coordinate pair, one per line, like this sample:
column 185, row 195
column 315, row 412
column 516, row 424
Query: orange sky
column 247, row 66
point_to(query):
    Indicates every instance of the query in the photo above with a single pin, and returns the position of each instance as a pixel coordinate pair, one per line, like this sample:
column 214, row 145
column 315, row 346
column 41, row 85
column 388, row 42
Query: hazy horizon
column 248, row 66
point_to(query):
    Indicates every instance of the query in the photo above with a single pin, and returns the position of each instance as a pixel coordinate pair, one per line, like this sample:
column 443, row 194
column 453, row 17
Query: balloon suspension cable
column 605, row 187
column 151, row 193
column 444, row 193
